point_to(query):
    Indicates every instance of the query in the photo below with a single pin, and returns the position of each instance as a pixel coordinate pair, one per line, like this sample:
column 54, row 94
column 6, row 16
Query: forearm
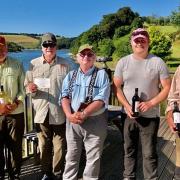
column 93, row 107
column 66, row 105
column 166, row 84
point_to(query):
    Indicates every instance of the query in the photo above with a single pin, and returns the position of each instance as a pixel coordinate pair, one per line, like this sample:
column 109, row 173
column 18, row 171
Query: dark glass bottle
column 176, row 116
column 135, row 103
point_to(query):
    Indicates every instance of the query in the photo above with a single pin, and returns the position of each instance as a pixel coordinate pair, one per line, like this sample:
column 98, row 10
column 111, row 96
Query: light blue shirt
column 101, row 89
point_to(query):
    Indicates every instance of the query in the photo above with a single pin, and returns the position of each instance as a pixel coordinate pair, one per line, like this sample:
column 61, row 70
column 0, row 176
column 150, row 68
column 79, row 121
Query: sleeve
column 21, row 92
column 174, row 93
column 65, row 87
column 119, row 69
column 104, row 87
column 28, row 77
column 164, row 72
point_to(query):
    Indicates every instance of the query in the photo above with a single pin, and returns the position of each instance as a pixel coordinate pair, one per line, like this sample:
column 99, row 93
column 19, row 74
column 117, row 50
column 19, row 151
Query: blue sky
column 70, row 18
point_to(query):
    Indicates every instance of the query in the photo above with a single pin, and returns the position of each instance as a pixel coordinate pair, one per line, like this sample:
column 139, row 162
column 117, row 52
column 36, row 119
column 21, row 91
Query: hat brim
column 139, row 36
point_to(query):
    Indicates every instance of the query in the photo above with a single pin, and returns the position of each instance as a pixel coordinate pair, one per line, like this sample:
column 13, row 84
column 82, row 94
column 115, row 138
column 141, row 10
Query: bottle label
column 136, row 109
column 176, row 117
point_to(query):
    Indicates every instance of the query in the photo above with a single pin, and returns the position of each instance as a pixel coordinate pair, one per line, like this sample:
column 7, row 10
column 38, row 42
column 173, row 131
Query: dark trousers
column 11, row 133
column 146, row 130
column 52, row 146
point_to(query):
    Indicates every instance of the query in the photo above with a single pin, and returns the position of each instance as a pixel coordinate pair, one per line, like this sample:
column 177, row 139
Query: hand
column 12, row 106
column 170, row 122
column 128, row 110
column 144, row 106
column 4, row 110
column 81, row 116
column 32, row 87
column 74, row 118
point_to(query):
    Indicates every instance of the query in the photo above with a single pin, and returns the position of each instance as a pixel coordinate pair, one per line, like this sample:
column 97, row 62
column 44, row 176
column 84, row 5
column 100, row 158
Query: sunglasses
column 138, row 40
column 144, row 33
column 90, row 54
column 46, row 45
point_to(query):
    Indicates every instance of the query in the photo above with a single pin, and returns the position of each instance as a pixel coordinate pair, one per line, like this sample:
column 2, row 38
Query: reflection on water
column 27, row 55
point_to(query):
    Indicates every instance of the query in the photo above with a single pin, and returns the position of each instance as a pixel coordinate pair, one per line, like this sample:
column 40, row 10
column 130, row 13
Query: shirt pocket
column 151, row 74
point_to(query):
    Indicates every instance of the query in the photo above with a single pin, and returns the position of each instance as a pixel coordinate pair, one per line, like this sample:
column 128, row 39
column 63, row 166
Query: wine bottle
column 176, row 116
column 4, row 98
column 135, row 103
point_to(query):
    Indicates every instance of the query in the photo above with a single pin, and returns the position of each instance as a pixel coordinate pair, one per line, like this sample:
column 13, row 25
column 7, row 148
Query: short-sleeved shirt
column 47, row 99
column 101, row 88
column 144, row 75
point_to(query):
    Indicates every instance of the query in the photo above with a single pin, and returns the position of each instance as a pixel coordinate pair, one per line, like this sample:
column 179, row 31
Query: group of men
column 71, row 108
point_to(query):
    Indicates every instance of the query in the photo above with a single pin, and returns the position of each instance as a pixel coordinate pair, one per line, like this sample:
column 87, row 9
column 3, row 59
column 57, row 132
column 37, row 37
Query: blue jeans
column 146, row 130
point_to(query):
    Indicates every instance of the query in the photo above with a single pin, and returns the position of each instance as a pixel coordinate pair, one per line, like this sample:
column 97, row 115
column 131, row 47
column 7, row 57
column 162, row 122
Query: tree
column 122, row 46
column 105, row 47
column 121, row 31
column 160, row 44
column 175, row 17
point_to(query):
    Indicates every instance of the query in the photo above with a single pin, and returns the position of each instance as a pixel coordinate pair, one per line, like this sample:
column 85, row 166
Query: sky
column 70, row 18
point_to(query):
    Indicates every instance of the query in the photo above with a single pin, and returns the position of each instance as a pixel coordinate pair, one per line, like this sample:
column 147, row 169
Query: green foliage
column 160, row 44
column 64, row 43
column 122, row 47
column 110, row 28
column 137, row 23
column 121, row 31
column 175, row 17
column 105, row 47
column 13, row 47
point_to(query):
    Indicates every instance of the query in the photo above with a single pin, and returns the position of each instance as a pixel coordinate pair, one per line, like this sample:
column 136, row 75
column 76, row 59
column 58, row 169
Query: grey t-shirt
column 144, row 75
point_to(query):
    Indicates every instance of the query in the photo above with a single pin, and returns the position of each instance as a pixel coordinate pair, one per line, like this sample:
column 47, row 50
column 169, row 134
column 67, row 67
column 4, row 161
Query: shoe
column 47, row 177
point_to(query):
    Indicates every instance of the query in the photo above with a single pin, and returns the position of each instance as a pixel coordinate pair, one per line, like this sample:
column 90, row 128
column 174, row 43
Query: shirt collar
column 89, row 72
column 44, row 61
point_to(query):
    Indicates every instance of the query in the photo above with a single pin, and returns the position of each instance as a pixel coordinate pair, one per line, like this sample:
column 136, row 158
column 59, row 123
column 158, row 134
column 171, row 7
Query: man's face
column 86, row 58
column 140, row 45
column 49, row 50
column 3, row 52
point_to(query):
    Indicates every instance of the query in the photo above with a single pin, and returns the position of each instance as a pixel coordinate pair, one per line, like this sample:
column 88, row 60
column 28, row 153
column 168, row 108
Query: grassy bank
column 25, row 41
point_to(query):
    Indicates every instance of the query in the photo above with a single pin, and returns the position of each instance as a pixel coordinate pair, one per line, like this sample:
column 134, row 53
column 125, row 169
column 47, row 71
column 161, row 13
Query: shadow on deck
column 112, row 158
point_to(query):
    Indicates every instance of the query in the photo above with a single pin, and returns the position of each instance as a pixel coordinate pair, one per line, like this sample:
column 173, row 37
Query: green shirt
column 12, row 79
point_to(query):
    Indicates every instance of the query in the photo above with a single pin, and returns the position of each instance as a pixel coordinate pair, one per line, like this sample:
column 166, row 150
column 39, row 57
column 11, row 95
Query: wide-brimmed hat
column 139, row 33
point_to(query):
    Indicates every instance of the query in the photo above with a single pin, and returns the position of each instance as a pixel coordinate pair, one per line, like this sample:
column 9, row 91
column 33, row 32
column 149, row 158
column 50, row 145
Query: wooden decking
column 112, row 158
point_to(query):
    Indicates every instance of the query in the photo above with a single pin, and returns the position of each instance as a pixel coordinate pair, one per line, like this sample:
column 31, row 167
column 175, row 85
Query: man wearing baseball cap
column 11, row 111
column 85, row 94
column 44, row 82
column 146, row 72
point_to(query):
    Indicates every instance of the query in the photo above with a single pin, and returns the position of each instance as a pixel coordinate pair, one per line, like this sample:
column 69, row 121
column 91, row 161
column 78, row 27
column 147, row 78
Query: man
column 12, row 112
column 146, row 72
column 85, row 96
column 44, row 81
column 174, row 96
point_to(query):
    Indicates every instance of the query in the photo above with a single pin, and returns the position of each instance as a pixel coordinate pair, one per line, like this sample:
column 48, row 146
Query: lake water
column 27, row 55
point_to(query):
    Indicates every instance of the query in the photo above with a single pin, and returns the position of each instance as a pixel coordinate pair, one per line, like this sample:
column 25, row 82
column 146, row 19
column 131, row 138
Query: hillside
column 25, row 41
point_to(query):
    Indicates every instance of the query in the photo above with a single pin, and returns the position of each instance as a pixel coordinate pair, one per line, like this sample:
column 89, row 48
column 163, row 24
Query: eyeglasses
column 144, row 33
column 90, row 54
column 46, row 45
column 139, row 40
